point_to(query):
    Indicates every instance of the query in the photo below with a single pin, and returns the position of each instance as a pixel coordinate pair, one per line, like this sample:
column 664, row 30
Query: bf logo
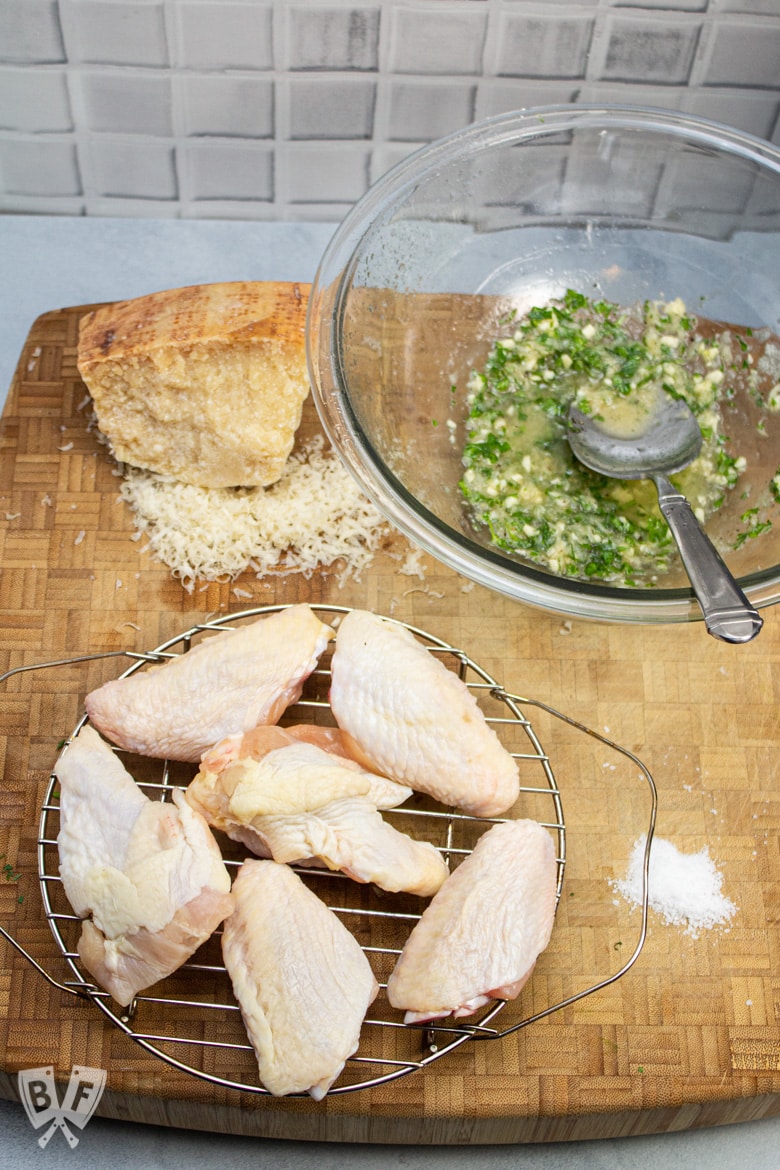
column 38, row 1092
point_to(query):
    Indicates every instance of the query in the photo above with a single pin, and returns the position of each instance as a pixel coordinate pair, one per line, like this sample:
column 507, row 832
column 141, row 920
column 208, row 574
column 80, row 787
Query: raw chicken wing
column 409, row 717
column 481, row 935
column 301, row 980
column 226, row 684
column 352, row 836
column 266, row 737
column 274, row 770
column 148, row 873
column 298, row 803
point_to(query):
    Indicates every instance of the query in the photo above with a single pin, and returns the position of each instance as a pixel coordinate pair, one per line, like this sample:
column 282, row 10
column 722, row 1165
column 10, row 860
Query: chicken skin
column 301, row 980
column 409, row 717
column 260, row 740
column 146, row 876
column 286, row 770
column 298, row 803
column 351, row 835
column 225, row 685
column 480, row 936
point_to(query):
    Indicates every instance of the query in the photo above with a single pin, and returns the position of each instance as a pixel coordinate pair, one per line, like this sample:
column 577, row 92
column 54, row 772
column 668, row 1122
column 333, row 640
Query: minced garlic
column 521, row 479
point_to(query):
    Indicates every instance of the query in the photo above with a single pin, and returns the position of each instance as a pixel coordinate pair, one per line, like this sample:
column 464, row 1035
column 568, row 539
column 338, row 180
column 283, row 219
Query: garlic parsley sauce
column 521, row 479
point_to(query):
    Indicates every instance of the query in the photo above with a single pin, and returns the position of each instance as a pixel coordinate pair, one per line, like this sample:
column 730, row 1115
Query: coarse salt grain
column 683, row 889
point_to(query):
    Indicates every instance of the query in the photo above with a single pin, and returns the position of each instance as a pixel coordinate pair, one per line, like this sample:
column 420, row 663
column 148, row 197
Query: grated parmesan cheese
column 314, row 515
column 413, row 566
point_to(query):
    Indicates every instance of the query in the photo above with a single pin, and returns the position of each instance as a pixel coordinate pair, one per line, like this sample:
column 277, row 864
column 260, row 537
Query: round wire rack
column 191, row 1020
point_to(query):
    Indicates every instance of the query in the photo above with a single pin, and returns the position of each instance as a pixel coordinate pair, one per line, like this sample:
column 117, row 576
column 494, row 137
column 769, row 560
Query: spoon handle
column 728, row 615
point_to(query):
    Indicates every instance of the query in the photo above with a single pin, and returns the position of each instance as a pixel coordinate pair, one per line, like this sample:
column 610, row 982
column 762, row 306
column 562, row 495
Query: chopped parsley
column 11, row 875
column 755, row 526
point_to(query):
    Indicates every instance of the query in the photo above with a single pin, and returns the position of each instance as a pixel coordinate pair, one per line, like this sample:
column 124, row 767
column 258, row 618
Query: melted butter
column 626, row 418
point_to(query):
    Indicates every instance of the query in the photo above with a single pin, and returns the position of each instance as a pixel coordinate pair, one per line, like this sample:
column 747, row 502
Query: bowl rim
column 527, row 122
column 525, row 583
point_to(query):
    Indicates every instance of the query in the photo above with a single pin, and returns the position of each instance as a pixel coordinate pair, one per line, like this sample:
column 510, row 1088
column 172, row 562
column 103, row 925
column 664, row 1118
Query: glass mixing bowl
column 624, row 203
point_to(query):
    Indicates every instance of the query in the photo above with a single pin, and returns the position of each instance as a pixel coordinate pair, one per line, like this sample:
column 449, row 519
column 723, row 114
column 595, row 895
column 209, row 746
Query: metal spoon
column 670, row 440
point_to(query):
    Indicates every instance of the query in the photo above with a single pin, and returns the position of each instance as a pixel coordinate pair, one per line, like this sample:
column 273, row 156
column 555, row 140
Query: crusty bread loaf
column 205, row 383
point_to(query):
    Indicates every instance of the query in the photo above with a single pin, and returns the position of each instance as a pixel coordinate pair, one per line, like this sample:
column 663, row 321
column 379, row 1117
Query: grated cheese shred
column 315, row 515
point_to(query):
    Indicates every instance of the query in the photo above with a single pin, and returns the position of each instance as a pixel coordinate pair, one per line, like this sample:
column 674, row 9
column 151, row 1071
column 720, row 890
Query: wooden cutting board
column 688, row 1037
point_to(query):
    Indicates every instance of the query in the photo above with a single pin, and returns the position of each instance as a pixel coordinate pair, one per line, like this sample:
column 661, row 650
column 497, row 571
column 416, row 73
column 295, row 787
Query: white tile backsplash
column 591, row 182
column 330, row 107
column 437, row 38
column 329, row 174
column 422, row 108
column 34, row 100
column 503, row 94
column 220, row 34
column 698, row 174
column 39, row 166
column 651, row 47
column 756, row 7
column 276, row 109
column 540, row 43
column 121, row 101
column 754, row 113
column 332, row 36
column 124, row 169
column 389, row 155
column 744, row 53
column 30, row 31
column 112, row 32
column 228, row 170
column 229, row 104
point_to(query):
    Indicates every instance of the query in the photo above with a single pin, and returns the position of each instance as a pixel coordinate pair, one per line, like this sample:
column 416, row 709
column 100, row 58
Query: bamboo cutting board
column 689, row 1037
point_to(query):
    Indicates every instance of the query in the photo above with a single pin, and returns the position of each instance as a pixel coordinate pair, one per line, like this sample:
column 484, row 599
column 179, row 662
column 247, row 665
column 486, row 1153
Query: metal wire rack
column 191, row 1021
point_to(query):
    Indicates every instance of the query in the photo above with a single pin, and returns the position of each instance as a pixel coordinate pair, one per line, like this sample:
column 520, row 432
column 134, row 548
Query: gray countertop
column 50, row 263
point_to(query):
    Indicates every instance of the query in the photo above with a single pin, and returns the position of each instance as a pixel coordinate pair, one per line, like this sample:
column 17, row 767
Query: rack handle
column 85, row 993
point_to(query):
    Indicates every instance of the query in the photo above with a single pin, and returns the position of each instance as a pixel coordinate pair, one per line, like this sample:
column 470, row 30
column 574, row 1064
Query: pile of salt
column 684, row 889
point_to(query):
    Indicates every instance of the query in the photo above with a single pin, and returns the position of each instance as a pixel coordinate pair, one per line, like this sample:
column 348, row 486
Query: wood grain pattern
column 689, row 1037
